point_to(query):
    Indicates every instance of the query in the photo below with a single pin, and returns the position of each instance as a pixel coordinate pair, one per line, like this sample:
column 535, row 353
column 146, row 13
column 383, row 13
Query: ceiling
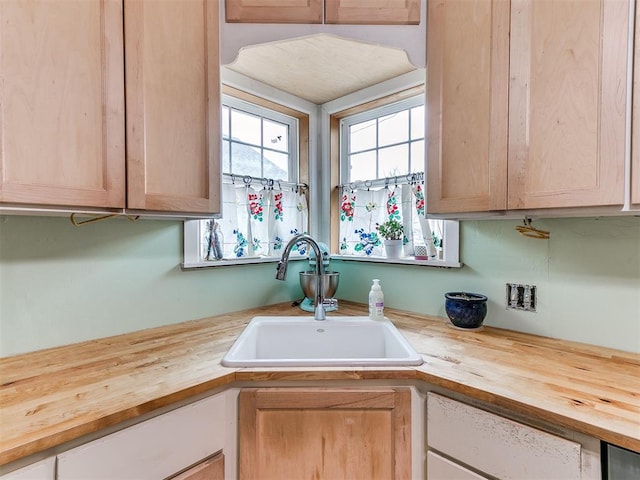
column 320, row 68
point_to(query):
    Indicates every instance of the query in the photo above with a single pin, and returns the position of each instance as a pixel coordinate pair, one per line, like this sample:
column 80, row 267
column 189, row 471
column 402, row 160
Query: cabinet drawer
column 440, row 468
column 496, row 445
column 210, row 469
column 153, row 449
column 42, row 470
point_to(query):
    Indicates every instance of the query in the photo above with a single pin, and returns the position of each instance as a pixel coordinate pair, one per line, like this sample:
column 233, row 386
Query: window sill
column 399, row 261
column 233, row 262
column 344, row 258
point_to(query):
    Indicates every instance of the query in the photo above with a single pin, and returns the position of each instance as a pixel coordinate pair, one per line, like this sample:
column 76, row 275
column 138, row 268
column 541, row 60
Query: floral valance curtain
column 362, row 208
column 256, row 222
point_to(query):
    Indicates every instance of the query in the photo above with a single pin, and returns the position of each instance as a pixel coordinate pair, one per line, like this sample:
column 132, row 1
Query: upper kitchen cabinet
column 350, row 12
column 273, row 11
column 173, row 105
column 372, row 12
column 567, row 113
column 635, row 132
column 566, row 91
column 467, row 99
column 62, row 103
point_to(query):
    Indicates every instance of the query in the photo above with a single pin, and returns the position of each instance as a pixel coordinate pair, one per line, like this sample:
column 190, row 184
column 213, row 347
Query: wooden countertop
column 52, row 396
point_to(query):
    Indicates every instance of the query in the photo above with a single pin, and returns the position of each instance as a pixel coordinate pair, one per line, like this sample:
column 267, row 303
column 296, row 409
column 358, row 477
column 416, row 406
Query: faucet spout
column 281, row 270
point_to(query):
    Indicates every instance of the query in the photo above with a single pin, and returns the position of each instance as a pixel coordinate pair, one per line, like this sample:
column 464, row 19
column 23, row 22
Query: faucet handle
column 281, row 270
column 320, row 308
column 330, row 302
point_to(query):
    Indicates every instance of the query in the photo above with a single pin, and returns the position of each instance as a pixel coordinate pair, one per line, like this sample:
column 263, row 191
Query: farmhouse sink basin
column 337, row 341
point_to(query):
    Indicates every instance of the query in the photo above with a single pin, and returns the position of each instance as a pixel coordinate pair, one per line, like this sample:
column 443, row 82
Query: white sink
column 336, row 341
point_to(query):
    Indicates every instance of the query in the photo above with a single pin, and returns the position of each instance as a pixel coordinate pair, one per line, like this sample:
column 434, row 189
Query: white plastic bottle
column 376, row 301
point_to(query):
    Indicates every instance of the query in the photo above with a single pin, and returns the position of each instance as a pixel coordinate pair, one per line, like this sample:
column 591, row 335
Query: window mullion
column 261, row 147
column 294, row 170
column 409, row 142
column 377, row 148
column 230, row 137
column 373, row 149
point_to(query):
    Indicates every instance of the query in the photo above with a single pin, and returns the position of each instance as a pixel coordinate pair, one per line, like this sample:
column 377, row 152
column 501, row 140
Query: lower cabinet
column 357, row 431
column 288, row 433
column 158, row 448
column 466, row 442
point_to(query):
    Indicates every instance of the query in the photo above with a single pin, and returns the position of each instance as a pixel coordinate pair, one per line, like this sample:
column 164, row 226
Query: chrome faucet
column 281, row 273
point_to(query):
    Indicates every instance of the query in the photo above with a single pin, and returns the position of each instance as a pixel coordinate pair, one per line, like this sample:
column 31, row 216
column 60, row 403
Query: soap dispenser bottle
column 376, row 301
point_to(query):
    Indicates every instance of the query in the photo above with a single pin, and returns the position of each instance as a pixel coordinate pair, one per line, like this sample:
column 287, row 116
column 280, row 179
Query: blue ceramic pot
column 465, row 310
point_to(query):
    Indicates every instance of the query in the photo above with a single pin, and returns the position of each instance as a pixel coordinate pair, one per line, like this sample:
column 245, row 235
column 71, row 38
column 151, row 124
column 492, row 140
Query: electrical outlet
column 521, row 297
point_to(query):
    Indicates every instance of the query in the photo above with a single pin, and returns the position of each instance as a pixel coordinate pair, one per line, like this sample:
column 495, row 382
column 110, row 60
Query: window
column 263, row 158
column 381, row 163
column 258, row 142
column 384, row 142
column 263, row 198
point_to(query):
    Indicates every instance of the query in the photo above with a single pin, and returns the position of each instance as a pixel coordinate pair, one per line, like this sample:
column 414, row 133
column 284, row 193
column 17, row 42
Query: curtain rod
column 409, row 178
column 265, row 182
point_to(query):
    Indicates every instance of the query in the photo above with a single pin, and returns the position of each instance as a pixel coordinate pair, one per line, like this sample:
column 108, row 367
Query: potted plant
column 392, row 231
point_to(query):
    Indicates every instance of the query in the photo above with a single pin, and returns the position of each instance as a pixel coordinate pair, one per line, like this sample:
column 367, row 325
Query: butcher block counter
column 52, row 396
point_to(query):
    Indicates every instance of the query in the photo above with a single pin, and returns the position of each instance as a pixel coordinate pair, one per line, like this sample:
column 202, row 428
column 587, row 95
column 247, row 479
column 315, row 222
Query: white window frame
column 263, row 112
column 365, row 116
column 451, row 228
column 320, row 163
column 193, row 228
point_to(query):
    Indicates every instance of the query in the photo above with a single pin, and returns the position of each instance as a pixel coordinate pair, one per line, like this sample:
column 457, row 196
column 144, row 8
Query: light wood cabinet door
column 372, row 12
column 467, row 105
column 635, row 122
column 173, row 105
column 526, row 104
column 273, row 11
column 210, row 469
column 62, row 103
column 325, row 433
column 567, row 103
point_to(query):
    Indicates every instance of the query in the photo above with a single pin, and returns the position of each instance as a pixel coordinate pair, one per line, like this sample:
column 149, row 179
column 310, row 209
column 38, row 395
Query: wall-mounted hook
column 99, row 218
column 530, row 231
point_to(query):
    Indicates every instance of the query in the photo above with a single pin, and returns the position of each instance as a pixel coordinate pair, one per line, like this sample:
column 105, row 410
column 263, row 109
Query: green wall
column 587, row 274
column 61, row 284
